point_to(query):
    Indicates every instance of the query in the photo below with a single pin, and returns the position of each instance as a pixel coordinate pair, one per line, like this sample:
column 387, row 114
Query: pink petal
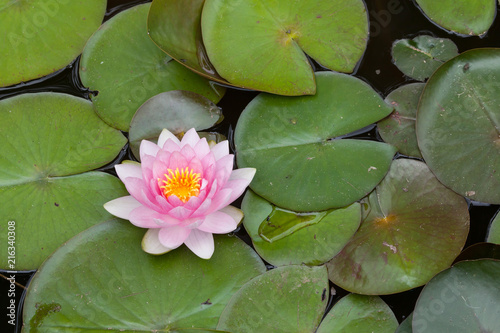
column 165, row 136
column 201, row 243
column 151, row 243
column 163, row 203
column 177, row 161
column 188, row 153
column 148, row 148
column 174, row 201
column 235, row 213
column 144, row 217
column 202, row 209
column 180, row 213
column 219, row 223
column 171, row 146
column 239, row 181
column 201, row 148
column 138, row 189
column 128, row 170
column 173, row 237
column 220, row 200
column 122, row 207
column 223, row 169
column 190, row 138
column 221, row 149
column 147, row 163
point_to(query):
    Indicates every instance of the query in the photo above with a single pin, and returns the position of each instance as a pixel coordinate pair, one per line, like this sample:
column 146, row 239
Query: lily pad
column 419, row 57
column 94, row 283
column 296, row 292
column 175, row 110
column 313, row 245
column 463, row 298
column 47, row 138
column 295, row 145
column 399, row 128
column 412, row 228
column 359, row 313
column 458, row 124
column 461, row 16
column 261, row 45
column 175, row 26
column 479, row 251
column 42, row 36
column 494, row 230
column 125, row 68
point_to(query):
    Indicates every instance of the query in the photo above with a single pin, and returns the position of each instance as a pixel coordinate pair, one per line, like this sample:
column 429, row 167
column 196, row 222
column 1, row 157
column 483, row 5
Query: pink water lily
column 181, row 192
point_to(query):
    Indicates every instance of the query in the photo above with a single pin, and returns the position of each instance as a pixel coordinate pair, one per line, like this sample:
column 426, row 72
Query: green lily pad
column 458, row 124
column 479, row 251
column 42, row 36
column 463, row 298
column 295, row 293
column 412, row 228
column 294, row 143
column 175, row 110
column 399, row 128
column 47, row 138
column 419, row 57
column 101, row 280
column 494, row 230
column 359, row 313
column 175, row 26
column 262, row 45
column 461, row 16
column 126, row 68
column 405, row 326
column 313, row 245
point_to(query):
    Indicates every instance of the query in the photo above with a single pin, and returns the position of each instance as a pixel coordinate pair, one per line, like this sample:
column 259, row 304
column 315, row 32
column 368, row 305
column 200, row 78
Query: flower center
column 184, row 184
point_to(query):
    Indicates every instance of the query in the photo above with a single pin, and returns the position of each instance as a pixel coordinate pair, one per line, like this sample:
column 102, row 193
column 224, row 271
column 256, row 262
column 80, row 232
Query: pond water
column 389, row 20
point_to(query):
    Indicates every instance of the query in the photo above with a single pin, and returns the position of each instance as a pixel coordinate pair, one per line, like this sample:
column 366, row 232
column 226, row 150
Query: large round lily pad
column 46, row 139
column 359, row 313
column 42, row 36
column 312, row 244
column 294, row 143
column 458, row 124
column 461, row 16
column 399, row 128
column 125, row 68
column 463, row 298
column 285, row 299
column 102, row 281
column 419, row 57
column 176, row 110
column 413, row 227
column 262, row 44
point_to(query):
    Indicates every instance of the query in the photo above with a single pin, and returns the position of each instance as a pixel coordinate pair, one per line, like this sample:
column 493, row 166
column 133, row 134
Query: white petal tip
column 151, row 244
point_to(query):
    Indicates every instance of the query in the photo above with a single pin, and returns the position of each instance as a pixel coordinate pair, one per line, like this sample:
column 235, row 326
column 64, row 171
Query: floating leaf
column 463, row 298
column 101, row 280
column 413, row 227
column 298, row 292
column 494, row 230
column 175, row 26
column 312, row 245
column 42, row 36
column 294, row 143
column 399, row 128
column 461, row 16
column 479, row 251
column 359, row 313
column 46, row 138
column 419, row 57
column 261, row 45
column 176, row 110
column 458, row 124
column 126, row 68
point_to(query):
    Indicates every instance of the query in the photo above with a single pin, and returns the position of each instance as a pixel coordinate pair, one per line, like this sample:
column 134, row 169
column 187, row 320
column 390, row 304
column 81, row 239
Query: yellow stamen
column 184, row 184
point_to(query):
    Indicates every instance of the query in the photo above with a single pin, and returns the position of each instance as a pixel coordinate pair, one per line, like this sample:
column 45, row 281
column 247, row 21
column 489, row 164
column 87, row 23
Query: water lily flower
column 181, row 192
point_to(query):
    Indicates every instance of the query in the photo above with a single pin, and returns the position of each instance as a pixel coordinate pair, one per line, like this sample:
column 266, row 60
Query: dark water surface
column 389, row 20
